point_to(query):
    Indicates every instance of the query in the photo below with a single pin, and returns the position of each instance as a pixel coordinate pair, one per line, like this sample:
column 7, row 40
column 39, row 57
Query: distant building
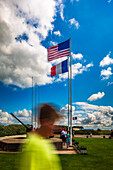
column 89, row 129
column 75, row 128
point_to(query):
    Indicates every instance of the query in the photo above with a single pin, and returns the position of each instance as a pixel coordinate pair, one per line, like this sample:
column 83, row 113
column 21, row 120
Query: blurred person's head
column 47, row 117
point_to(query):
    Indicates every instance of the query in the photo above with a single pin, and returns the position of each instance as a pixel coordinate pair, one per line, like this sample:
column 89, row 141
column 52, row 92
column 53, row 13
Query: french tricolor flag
column 74, row 118
column 59, row 68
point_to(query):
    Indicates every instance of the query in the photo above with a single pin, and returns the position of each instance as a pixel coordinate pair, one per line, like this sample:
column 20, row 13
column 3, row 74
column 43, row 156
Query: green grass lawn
column 100, row 156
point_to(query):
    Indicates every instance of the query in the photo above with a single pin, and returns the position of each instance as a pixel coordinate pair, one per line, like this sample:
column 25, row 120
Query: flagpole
column 38, row 104
column 35, row 102
column 32, row 104
column 70, row 97
column 68, row 94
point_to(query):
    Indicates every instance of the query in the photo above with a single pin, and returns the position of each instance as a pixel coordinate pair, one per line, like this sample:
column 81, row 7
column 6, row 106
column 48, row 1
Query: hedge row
column 10, row 130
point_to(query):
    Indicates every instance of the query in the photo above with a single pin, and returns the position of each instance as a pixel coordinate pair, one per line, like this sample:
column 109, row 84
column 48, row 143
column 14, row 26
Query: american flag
column 58, row 51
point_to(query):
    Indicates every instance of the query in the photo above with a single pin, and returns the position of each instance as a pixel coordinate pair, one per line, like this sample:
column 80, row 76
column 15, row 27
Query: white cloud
column 24, row 116
column 23, row 113
column 79, row 68
column 61, row 11
column 109, row 83
column 74, row 22
column 57, row 33
column 89, row 65
column 106, row 73
column 5, row 118
column 79, row 111
column 97, row 96
column 109, row 1
column 106, row 60
column 65, row 109
column 89, row 108
column 75, row 0
column 61, row 7
column 78, row 56
column 96, row 116
column 76, row 69
column 20, row 61
column 59, row 60
column 52, row 43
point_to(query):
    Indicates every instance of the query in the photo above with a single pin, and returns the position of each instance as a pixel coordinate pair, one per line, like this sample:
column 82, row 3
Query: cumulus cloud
column 89, row 116
column 65, row 109
column 61, row 7
column 74, row 22
column 61, row 12
column 97, row 96
column 96, row 120
column 23, row 115
column 5, row 118
column 76, row 69
column 22, row 28
column 79, row 68
column 74, row 113
column 96, row 116
column 109, row 83
column 57, row 33
column 89, row 108
column 52, row 43
column 109, row 1
column 106, row 73
column 106, row 60
column 78, row 56
column 75, row 0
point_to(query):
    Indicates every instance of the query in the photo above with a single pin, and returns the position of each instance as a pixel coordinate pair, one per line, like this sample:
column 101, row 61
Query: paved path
column 14, row 136
column 63, row 151
column 85, row 136
column 76, row 136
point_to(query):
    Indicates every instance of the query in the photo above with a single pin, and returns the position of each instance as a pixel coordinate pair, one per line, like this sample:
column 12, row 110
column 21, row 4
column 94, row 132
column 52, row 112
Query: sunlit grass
column 100, row 156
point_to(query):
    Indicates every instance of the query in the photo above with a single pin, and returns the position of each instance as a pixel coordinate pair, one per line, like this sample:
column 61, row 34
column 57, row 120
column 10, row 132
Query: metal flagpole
column 70, row 97
column 38, row 103
column 32, row 104
column 35, row 103
column 68, row 93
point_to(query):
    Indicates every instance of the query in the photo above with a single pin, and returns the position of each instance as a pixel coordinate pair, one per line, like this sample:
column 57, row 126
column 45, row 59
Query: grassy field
column 99, row 157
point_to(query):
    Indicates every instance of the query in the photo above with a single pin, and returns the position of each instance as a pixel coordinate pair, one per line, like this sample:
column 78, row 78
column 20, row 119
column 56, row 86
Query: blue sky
column 27, row 29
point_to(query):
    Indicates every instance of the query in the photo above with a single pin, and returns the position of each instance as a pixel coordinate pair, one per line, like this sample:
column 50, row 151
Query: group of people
column 65, row 136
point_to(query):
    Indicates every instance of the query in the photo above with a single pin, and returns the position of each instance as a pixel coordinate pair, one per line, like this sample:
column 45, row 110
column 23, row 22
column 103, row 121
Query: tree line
column 10, row 130
column 18, row 129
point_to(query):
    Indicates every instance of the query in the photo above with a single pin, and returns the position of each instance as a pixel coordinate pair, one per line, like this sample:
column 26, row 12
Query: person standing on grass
column 90, row 134
column 38, row 151
column 63, row 137
column 68, row 139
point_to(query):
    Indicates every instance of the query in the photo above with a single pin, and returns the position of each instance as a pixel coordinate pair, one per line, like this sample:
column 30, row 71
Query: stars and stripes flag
column 59, row 68
column 59, row 50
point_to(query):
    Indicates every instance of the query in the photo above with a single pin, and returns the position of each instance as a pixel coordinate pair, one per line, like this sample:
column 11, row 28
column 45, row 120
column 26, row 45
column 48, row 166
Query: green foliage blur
column 10, row 130
column 94, row 132
column 18, row 129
